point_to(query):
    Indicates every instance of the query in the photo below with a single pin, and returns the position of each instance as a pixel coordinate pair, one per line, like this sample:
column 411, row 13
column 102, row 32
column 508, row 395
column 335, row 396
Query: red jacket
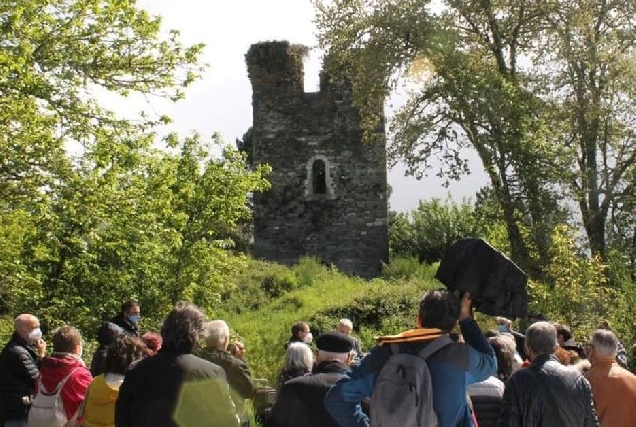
column 53, row 369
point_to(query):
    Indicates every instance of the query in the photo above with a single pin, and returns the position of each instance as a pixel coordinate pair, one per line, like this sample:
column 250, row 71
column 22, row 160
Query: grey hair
column 604, row 342
column 298, row 356
column 541, row 338
column 346, row 322
column 216, row 333
column 183, row 327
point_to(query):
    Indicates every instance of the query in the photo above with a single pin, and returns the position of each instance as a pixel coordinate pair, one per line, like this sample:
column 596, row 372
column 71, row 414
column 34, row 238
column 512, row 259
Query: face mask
column 308, row 338
column 502, row 328
column 134, row 318
column 35, row 336
column 81, row 351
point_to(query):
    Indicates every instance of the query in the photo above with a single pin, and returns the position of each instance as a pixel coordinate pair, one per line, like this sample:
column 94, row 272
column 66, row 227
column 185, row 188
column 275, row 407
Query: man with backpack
column 419, row 377
column 64, row 379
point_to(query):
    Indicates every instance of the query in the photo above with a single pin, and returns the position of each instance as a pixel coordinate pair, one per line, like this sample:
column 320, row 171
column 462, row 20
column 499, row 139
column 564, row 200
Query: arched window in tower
column 319, row 177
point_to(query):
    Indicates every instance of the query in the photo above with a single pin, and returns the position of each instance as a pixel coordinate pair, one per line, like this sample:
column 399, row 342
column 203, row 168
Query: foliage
column 578, row 293
column 431, row 228
column 542, row 92
column 405, row 268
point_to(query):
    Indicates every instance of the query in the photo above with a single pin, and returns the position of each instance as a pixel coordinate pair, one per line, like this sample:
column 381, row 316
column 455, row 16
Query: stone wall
column 335, row 209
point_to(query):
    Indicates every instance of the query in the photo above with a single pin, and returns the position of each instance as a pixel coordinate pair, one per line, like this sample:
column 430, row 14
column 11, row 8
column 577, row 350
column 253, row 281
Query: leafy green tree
column 428, row 230
column 56, row 57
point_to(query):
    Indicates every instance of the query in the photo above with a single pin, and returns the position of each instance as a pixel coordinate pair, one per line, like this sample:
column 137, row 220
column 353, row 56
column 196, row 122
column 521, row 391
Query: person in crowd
column 299, row 360
column 504, row 326
column 65, row 364
column 19, row 369
column 106, row 335
column 175, row 388
column 613, row 387
column 452, row 368
column 621, row 352
column 546, row 393
column 238, row 375
column 300, row 332
column 487, row 395
column 300, row 401
column 99, row 410
column 128, row 317
column 237, row 349
column 153, row 341
column 345, row 326
column 566, row 340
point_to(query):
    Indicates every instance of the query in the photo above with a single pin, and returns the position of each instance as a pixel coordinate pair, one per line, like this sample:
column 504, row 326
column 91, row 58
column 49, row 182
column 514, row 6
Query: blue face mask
column 134, row 318
column 502, row 328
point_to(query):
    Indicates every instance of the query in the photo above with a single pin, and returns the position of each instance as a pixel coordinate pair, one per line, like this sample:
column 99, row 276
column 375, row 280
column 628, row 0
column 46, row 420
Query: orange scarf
column 413, row 335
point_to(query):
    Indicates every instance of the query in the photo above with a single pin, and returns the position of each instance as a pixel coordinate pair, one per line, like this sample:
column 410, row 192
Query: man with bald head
column 19, row 369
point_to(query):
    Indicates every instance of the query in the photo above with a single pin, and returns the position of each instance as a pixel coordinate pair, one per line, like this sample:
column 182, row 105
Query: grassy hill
column 269, row 298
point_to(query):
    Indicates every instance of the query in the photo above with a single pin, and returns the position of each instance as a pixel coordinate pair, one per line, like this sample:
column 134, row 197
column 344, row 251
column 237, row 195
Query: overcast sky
column 221, row 101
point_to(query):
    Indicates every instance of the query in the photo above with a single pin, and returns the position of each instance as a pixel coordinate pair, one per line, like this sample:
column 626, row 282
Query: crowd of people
column 446, row 371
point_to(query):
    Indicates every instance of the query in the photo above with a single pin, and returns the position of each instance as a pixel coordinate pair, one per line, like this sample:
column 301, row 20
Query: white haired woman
column 299, row 360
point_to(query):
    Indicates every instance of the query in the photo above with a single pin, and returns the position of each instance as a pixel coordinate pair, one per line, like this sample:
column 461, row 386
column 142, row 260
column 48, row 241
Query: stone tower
column 329, row 189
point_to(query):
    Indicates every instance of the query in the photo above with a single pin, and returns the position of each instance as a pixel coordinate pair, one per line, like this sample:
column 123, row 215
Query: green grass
column 262, row 316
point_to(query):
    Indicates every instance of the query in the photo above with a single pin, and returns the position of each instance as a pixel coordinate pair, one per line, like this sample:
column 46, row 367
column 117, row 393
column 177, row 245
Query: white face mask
column 35, row 335
column 308, row 338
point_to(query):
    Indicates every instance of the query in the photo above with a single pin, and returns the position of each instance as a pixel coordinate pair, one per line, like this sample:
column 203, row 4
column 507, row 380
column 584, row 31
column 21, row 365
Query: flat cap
column 334, row 342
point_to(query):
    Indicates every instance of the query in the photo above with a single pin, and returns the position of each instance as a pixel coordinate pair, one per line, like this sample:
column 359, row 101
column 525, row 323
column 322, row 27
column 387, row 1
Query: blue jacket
column 452, row 369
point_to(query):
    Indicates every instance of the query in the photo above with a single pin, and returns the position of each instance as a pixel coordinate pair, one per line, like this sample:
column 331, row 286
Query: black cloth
column 547, row 394
column 19, row 369
column 496, row 285
column 106, row 335
column 290, row 375
column 129, row 327
column 238, row 377
column 300, row 401
column 175, row 389
column 487, row 410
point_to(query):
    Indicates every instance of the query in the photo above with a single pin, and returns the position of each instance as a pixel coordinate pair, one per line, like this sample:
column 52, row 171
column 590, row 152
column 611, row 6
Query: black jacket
column 175, row 389
column 129, row 327
column 238, row 377
column 106, row 335
column 547, row 394
column 300, row 401
column 19, row 369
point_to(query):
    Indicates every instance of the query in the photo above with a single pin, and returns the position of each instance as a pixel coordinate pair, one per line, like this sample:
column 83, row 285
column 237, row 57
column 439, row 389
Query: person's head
column 603, row 345
column 236, row 349
column 334, row 346
column 120, row 354
column 27, row 326
column 439, row 309
column 505, row 356
column 301, row 331
column 504, row 325
column 604, row 324
column 541, row 338
column 108, row 333
column 298, row 357
column 563, row 333
column 345, row 326
column 217, row 334
column 131, row 310
column 67, row 339
column 183, row 328
column 153, row 342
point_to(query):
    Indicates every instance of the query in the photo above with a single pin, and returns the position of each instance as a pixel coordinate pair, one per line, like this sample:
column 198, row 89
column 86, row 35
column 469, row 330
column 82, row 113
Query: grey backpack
column 403, row 393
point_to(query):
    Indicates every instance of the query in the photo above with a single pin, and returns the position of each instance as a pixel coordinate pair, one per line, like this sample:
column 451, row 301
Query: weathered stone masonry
column 329, row 189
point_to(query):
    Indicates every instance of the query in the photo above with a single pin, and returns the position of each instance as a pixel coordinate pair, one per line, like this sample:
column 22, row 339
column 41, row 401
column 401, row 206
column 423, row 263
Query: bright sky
column 221, row 101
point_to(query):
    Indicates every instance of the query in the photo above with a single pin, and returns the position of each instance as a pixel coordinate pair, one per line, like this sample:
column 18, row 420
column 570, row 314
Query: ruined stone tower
column 329, row 189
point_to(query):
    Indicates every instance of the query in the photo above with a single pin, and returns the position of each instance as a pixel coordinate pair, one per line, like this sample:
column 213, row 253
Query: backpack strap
column 395, row 348
column 434, row 346
column 62, row 383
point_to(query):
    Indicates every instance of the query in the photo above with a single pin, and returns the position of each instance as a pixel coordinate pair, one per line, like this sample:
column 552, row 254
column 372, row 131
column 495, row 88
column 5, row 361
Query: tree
column 428, row 230
column 484, row 75
column 56, row 56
